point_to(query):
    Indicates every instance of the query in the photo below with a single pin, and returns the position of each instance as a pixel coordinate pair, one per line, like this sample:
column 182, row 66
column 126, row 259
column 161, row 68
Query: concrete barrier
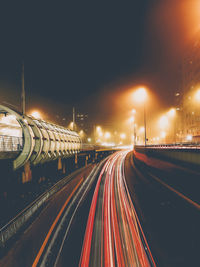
column 185, row 155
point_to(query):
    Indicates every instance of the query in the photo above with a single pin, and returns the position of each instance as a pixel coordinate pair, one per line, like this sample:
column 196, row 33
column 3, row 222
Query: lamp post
column 140, row 95
column 134, row 134
column 145, row 127
column 197, row 116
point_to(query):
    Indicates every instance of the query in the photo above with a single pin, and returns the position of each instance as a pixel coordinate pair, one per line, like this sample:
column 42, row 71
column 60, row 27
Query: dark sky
column 88, row 53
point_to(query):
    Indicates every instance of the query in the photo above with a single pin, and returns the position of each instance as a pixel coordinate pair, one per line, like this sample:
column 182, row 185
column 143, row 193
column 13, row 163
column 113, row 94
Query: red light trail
column 113, row 234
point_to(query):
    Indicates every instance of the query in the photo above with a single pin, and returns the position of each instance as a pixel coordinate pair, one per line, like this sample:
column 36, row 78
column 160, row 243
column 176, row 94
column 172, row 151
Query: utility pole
column 145, row 126
column 74, row 119
column 134, row 134
column 23, row 92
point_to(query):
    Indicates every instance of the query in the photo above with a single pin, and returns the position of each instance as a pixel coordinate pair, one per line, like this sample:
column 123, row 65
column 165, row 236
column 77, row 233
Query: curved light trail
column 113, row 234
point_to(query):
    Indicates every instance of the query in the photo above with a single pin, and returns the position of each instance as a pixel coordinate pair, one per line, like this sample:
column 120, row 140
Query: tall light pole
column 134, row 125
column 140, row 95
column 145, row 126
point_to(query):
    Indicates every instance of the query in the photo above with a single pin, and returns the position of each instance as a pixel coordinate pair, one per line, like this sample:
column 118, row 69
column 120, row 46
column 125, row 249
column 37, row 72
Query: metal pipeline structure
column 41, row 141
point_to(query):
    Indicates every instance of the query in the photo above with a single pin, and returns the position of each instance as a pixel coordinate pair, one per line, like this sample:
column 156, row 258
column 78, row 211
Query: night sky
column 88, row 54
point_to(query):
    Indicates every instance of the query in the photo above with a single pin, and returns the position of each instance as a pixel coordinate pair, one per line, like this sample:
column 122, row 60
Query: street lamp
column 197, row 95
column 36, row 114
column 140, row 95
column 123, row 136
column 107, row 135
column 172, row 112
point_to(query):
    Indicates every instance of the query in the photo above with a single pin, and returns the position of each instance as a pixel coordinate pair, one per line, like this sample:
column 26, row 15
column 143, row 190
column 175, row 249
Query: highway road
column 30, row 243
column 155, row 205
column 125, row 211
column 167, row 200
column 113, row 235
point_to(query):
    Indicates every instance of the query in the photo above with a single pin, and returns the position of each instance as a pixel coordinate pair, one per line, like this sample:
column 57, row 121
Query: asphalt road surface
column 170, row 222
column 28, row 244
column 137, row 212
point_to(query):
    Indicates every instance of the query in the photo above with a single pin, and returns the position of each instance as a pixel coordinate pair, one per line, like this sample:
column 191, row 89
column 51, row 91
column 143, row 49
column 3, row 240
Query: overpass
column 27, row 140
column 34, row 140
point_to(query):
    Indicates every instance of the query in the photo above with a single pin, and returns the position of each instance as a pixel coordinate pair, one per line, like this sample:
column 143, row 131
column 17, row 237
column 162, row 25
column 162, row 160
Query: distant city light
column 98, row 128
column 100, row 134
column 81, row 133
column 107, row 135
column 141, row 130
column 107, row 144
column 163, row 122
column 132, row 119
column 122, row 135
column 163, row 134
column 189, row 137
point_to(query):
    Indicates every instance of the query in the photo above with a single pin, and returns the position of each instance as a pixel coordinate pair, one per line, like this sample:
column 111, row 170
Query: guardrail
column 10, row 143
column 10, row 229
column 172, row 146
column 88, row 147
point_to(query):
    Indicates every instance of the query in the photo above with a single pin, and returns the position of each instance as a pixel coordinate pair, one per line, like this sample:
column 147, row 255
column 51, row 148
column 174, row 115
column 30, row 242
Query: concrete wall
column 190, row 156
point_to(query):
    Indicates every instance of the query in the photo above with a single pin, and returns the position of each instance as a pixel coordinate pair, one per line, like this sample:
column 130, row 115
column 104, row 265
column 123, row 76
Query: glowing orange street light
column 189, row 137
column 36, row 114
column 98, row 129
column 140, row 95
column 172, row 112
column 107, row 135
column 197, row 95
column 122, row 135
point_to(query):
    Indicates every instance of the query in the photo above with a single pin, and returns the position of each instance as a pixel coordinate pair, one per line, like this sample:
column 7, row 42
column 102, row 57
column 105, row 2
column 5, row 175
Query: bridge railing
column 10, row 143
column 172, row 146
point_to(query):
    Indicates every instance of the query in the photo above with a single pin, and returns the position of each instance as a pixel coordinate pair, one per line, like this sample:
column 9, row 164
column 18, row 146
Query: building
column 190, row 95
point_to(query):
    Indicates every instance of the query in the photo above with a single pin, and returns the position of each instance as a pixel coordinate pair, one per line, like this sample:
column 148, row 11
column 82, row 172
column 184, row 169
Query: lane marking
column 196, row 205
column 54, row 224
column 191, row 202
